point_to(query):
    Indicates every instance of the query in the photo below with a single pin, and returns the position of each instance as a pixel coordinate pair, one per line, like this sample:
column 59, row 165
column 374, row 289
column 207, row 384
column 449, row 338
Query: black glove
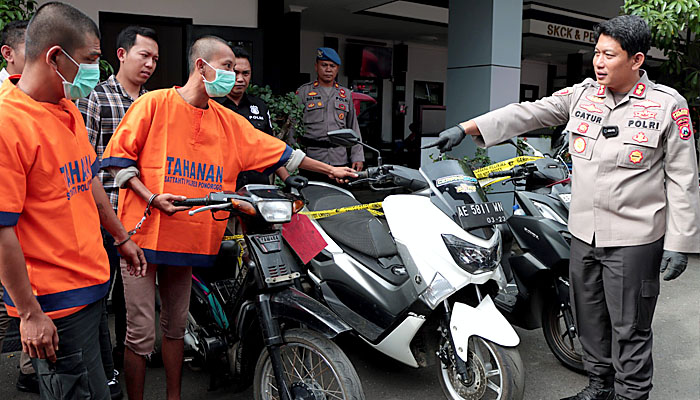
column 448, row 139
column 296, row 181
column 675, row 262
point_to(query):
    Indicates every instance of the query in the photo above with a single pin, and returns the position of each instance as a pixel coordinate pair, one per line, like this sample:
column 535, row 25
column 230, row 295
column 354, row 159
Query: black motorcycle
column 537, row 265
column 249, row 322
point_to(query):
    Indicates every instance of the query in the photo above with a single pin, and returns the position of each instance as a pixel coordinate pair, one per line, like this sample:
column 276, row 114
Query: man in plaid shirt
column 103, row 110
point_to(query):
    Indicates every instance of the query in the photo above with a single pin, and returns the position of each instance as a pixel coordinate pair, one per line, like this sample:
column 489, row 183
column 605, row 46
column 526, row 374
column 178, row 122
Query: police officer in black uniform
column 248, row 106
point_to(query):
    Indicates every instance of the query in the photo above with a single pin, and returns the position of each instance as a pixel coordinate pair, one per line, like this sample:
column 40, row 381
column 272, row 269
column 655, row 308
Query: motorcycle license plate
column 481, row 214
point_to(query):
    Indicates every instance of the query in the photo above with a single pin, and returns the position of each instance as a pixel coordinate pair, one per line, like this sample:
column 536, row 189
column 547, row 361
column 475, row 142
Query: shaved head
column 58, row 24
column 206, row 48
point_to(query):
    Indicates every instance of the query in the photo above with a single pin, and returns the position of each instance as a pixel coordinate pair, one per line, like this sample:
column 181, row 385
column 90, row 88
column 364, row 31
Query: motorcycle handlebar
column 500, row 174
column 197, row 201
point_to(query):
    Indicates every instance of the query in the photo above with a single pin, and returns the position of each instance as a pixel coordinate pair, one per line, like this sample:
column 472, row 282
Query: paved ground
column 677, row 361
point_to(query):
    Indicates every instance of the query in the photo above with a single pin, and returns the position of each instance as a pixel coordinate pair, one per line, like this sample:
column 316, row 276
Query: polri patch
column 580, row 145
column 636, row 157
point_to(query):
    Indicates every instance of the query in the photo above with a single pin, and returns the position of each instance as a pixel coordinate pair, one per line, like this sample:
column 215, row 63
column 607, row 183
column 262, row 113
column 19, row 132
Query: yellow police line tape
column 371, row 207
column 483, row 173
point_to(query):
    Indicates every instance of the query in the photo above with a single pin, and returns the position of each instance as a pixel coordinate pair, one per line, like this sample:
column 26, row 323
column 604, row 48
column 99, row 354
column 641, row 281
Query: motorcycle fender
column 291, row 304
column 484, row 321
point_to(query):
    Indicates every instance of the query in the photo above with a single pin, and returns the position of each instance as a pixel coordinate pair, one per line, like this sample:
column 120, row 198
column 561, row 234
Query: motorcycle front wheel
column 495, row 373
column 561, row 341
column 315, row 368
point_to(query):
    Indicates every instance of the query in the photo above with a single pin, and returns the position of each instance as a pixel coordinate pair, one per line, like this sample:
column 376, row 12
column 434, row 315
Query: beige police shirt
column 630, row 189
column 328, row 112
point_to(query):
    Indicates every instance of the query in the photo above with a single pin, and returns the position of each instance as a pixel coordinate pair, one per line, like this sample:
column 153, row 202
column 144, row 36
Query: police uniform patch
column 341, row 116
column 582, row 127
column 640, row 137
column 646, row 114
column 640, row 89
column 596, row 99
column 591, row 108
column 336, row 85
column 341, row 106
column 312, row 93
column 562, row 92
column 685, row 132
column 315, row 83
column 254, row 110
column 683, row 124
column 601, row 90
column 580, row 145
column 342, row 93
column 311, row 105
column 636, row 157
column 647, row 104
column 681, row 112
column 320, row 104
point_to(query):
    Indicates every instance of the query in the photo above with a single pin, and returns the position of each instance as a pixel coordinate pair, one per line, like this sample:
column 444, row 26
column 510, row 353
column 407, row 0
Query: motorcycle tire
column 566, row 349
column 496, row 373
column 314, row 366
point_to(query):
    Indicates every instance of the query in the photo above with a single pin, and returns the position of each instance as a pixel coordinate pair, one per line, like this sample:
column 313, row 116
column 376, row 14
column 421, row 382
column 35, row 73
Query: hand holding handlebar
column 338, row 173
column 165, row 203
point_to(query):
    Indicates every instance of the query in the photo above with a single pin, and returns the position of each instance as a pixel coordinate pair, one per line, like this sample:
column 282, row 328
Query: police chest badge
column 580, row 145
column 254, row 110
column 636, row 157
column 640, row 137
column 582, row 127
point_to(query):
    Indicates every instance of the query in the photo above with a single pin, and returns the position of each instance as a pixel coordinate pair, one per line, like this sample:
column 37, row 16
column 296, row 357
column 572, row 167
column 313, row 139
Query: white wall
column 425, row 63
column 242, row 13
column 534, row 73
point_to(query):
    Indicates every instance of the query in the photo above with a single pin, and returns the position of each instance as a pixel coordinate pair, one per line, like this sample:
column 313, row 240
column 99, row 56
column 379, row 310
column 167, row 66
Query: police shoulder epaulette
column 669, row 90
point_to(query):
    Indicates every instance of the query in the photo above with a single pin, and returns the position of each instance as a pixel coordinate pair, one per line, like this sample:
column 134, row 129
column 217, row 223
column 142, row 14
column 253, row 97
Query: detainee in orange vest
column 52, row 262
column 173, row 144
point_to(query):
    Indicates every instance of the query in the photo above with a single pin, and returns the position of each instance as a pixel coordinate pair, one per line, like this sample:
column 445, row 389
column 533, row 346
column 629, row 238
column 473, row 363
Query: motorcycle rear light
column 472, row 258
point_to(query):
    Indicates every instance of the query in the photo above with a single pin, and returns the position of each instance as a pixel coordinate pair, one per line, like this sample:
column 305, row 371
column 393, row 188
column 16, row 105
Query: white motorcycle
column 417, row 284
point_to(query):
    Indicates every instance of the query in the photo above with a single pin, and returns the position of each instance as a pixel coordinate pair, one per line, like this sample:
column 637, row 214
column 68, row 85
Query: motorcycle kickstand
column 460, row 365
column 273, row 338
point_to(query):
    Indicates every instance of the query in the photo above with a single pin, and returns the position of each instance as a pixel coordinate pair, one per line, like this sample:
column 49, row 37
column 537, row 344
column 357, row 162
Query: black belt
column 308, row 142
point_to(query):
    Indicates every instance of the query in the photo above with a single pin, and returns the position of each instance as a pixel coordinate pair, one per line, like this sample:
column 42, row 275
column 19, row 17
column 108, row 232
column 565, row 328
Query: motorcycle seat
column 358, row 230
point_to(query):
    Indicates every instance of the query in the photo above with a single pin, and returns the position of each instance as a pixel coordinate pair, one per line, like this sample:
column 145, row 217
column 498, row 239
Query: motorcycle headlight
column 547, row 212
column 438, row 289
column 472, row 258
column 275, row 212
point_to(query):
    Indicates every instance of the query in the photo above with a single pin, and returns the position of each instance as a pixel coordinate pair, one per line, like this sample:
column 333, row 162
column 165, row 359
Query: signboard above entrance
column 558, row 31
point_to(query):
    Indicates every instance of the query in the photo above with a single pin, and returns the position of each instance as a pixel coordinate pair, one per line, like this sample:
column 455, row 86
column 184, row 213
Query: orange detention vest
column 185, row 150
column 48, row 164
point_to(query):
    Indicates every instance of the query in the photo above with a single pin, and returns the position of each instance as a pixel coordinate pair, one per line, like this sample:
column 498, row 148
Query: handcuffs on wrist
column 146, row 213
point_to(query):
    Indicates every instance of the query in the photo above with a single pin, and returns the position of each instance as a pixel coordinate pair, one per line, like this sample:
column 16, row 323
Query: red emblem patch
column 336, row 85
column 596, row 99
column 640, row 89
column 320, row 104
column 342, row 94
column 647, row 104
column 562, row 92
column 640, row 138
column 583, row 127
column 601, row 90
column 580, row 145
column 591, row 108
column 341, row 116
column 311, row 105
column 685, row 132
column 312, row 94
column 636, row 157
column 342, row 107
column 315, row 83
column 681, row 112
column 646, row 114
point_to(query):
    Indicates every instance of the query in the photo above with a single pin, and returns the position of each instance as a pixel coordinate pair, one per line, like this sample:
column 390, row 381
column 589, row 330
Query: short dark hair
column 240, row 52
column 203, row 48
column 127, row 37
column 13, row 34
column 631, row 31
column 59, row 24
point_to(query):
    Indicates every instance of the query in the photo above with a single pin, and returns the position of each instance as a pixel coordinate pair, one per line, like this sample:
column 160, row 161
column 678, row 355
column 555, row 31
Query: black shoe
column 115, row 389
column 598, row 389
column 28, row 383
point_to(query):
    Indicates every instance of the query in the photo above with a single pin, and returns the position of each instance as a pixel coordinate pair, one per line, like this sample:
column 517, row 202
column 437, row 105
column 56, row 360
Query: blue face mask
column 84, row 82
column 222, row 84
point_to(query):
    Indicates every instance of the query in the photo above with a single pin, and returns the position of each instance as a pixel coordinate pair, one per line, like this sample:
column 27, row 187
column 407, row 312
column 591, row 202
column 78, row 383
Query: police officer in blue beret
column 327, row 107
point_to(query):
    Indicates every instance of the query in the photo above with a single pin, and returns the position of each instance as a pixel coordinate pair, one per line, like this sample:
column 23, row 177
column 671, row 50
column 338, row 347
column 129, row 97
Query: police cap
column 327, row 54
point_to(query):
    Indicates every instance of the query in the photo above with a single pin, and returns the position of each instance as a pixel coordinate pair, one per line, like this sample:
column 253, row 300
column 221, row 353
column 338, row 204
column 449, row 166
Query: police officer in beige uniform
column 634, row 207
column 327, row 107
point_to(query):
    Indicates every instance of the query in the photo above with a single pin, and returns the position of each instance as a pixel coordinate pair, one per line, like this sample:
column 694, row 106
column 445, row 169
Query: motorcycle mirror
column 343, row 137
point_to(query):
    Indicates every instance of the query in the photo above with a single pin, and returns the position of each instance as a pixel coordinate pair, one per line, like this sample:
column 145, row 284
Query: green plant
column 15, row 10
column 286, row 112
column 675, row 29
column 481, row 159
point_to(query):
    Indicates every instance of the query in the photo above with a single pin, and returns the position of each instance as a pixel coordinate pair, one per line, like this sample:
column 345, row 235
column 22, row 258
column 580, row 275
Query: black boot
column 599, row 388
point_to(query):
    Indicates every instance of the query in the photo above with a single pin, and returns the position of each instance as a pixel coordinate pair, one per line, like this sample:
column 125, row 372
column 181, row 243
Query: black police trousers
column 613, row 295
